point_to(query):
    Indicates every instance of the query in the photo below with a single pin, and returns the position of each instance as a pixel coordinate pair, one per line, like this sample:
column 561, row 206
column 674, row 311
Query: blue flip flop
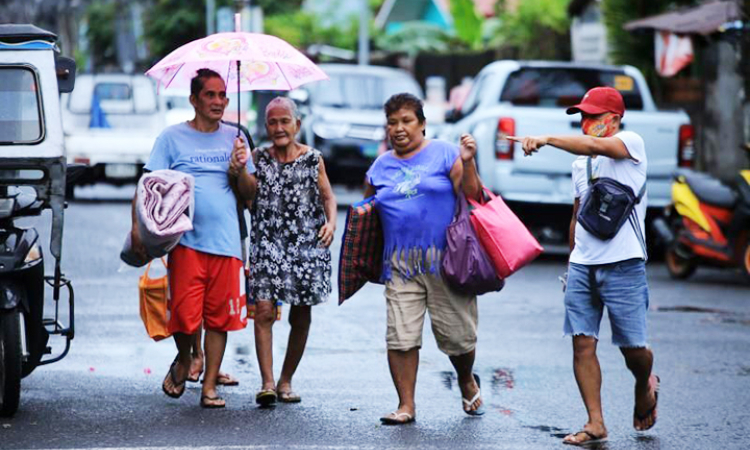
column 479, row 411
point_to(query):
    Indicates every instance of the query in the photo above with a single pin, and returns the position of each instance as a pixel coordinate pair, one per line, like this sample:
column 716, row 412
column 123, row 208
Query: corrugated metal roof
column 704, row 19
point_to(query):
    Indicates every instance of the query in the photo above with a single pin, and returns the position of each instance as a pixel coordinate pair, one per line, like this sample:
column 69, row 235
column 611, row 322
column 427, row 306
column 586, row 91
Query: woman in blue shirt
column 415, row 185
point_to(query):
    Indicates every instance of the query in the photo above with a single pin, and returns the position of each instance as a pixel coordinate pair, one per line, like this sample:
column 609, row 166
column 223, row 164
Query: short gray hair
column 284, row 102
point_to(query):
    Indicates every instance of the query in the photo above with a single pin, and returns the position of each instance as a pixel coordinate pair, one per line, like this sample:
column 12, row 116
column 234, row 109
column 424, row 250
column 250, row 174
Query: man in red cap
column 609, row 272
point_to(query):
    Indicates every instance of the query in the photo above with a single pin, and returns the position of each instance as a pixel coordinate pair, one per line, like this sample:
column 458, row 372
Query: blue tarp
column 98, row 117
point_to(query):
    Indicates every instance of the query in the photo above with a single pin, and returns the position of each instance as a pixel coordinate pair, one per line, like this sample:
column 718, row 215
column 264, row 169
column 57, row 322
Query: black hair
column 196, row 84
column 408, row 101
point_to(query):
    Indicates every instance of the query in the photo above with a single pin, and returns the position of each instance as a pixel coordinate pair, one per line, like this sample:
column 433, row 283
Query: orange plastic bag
column 154, row 299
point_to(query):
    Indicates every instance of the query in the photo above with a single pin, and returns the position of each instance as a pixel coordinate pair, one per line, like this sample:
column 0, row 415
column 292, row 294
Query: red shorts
column 205, row 288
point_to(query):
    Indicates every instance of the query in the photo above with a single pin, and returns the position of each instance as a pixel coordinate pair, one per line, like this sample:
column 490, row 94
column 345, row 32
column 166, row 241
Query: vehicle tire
column 70, row 191
column 10, row 362
column 746, row 261
column 679, row 267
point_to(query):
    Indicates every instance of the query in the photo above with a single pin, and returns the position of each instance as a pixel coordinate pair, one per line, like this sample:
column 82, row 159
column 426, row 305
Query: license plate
column 120, row 170
column 370, row 150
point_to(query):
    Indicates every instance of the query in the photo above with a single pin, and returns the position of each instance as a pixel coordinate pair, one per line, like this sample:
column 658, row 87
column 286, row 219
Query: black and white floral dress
column 287, row 260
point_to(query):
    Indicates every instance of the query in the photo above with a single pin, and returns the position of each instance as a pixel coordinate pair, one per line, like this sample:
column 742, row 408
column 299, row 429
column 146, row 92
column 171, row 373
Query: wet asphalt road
column 106, row 392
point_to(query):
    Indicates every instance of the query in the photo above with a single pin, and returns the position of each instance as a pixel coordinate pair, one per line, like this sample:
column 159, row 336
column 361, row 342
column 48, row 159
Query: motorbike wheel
column 679, row 267
column 10, row 362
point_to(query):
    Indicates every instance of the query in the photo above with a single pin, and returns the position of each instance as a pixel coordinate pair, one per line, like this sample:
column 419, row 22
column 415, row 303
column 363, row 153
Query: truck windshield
column 20, row 114
column 564, row 87
column 360, row 91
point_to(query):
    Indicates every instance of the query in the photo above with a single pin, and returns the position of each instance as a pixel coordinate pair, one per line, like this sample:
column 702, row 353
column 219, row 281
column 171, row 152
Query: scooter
column 708, row 223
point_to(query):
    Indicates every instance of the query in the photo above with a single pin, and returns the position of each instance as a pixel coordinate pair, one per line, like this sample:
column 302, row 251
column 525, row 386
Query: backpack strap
column 641, row 193
column 636, row 225
column 589, row 170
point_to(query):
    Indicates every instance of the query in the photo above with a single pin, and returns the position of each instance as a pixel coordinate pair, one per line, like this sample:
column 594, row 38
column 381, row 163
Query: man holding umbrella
column 206, row 268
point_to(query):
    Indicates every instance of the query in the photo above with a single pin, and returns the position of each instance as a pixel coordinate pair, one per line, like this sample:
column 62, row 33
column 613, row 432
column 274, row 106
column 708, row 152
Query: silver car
column 344, row 119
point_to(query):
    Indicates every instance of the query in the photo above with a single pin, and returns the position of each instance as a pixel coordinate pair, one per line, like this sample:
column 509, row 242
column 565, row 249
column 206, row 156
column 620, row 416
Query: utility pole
column 364, row 33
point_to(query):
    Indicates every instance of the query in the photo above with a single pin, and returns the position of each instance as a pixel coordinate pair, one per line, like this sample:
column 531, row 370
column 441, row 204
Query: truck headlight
column 34, row 254
column 330, row 130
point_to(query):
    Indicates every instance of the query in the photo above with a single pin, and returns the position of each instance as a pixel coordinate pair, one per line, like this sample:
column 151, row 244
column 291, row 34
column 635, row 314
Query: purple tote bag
column 466, row 268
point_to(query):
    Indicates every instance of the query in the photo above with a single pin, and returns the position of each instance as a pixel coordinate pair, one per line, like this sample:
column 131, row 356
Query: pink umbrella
column 246, row 61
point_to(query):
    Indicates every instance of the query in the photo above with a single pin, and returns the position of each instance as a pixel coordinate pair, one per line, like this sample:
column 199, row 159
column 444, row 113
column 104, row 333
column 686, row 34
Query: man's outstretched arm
column 611, row 147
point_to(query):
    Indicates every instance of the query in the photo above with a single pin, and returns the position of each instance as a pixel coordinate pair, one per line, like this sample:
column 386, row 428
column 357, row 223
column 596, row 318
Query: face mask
column 599, row 127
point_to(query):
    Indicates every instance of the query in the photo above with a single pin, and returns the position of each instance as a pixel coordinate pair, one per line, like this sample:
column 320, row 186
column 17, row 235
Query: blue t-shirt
column 206, row 157
column 416, row 203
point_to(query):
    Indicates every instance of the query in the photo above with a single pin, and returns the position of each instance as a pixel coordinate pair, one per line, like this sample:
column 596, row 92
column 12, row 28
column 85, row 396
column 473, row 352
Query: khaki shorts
column 453, row 316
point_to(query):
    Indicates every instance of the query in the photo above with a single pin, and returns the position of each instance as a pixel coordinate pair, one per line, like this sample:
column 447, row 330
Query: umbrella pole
column 249, row 138
column 238, row 98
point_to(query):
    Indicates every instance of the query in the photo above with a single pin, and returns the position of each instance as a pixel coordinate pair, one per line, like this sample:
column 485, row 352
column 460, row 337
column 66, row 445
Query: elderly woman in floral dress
column 294, row 218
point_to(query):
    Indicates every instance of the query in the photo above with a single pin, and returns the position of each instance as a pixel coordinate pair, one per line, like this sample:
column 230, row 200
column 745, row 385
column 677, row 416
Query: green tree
column 418, row 36
column 467, row 23
column 277, row 7
column 538, row 29
column 169, row 24
column 100, row 17
column 302, row 29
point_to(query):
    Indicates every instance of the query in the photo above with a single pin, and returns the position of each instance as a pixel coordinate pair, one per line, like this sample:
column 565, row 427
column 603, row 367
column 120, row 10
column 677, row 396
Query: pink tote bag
column 505, row 239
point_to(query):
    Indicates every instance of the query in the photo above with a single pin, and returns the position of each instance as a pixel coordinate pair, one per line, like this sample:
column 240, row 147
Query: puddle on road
column 502, row 378
column 553, row 431
column 560, row 434
column 502, row 410
column 720, row 316
column 448, row 378
column 691, row 309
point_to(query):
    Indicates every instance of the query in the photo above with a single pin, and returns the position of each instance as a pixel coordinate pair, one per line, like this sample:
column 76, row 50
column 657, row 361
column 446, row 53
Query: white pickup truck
column 111, row 122
column 529, row 98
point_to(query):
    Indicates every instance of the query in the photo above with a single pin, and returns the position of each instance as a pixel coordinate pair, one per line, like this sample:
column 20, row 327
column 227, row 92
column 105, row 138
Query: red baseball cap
column 600, row 100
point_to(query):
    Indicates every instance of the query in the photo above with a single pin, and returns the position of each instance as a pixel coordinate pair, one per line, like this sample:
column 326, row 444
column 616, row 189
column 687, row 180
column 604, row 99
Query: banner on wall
column 673, row 52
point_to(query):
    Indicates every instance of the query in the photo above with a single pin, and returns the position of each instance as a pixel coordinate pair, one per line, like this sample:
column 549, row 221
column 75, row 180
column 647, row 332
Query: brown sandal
column 205, row 399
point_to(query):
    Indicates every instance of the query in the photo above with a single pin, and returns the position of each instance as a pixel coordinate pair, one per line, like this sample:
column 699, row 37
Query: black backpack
column 606, row 207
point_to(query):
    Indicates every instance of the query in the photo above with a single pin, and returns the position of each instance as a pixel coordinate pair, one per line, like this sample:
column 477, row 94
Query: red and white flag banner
column 673, row 52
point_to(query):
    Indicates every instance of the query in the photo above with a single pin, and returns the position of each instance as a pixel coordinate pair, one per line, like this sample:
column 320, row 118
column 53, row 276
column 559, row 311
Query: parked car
column 111, row 122
column 344, row 119
column 529, row 98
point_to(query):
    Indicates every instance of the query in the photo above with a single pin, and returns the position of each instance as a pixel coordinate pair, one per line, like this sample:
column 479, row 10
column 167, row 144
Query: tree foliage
column 467, row 23
column 276, row 7
column 100, row 17
column 539, row 29
column 302, row 29
column 415, row 37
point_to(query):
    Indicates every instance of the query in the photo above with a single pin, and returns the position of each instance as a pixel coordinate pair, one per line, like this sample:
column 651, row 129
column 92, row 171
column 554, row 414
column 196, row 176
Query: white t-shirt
column 590, row 250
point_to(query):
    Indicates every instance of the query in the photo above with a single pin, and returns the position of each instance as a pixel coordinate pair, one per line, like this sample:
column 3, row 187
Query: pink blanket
column 164, row 210
column 165, row 198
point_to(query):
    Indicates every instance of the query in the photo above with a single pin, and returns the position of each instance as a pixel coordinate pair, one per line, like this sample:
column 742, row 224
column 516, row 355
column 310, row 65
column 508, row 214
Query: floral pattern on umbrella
column 266, row 63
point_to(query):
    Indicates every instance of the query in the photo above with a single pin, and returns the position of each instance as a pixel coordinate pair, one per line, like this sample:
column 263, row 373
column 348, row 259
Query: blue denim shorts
column 621, row 287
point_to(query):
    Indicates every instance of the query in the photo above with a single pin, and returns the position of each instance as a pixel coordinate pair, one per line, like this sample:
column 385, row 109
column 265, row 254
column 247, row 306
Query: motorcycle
column 33, row 176
column 708, row 223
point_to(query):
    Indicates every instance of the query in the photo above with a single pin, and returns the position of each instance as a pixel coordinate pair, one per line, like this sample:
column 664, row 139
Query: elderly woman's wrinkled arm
column 329, row 204
column 245, row 182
